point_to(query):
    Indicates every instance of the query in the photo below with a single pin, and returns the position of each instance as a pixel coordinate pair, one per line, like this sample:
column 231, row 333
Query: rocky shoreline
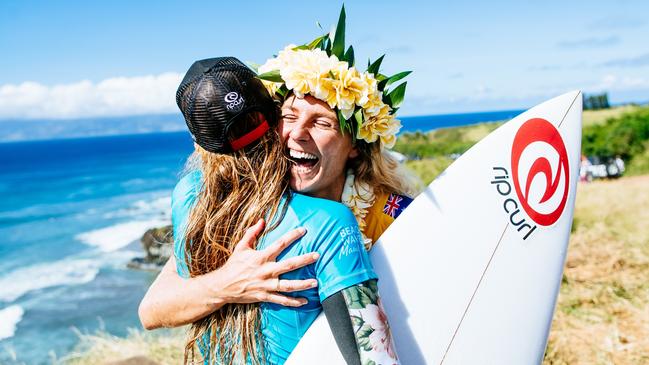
column 157, row 244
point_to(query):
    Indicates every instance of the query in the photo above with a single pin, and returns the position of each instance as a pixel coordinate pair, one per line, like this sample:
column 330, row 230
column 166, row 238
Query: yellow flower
column 304, row 69
column 374, row 104
column 272, row 87
column 325, row 90
column 350, row 88
column 274, row 64
column 389, row 137
column 382, row 125
column 279, row 62
column 340, row 86
column 371, row 98
column 375, row 125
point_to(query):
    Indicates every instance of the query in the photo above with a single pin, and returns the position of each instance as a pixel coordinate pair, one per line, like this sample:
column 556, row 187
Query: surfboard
column 470, row 272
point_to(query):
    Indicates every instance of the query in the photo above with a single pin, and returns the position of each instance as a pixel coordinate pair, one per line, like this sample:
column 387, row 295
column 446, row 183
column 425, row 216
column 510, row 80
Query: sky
column 77, row 59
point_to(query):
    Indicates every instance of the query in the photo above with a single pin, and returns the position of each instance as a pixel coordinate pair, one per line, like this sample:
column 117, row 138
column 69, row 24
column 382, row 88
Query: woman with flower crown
column 366, row 179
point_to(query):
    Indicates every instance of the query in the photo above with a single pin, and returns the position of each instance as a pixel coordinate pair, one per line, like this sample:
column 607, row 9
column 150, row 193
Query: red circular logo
column 539, row 155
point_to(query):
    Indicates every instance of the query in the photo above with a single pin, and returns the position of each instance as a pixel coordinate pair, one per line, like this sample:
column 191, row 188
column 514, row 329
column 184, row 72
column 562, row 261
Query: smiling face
column 319, row 151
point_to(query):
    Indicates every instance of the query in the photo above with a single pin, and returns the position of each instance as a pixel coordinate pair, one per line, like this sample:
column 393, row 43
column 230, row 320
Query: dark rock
column 158, row 247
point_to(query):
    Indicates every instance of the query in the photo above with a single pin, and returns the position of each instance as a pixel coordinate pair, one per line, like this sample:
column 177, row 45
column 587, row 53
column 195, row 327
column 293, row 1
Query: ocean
column 71, row 214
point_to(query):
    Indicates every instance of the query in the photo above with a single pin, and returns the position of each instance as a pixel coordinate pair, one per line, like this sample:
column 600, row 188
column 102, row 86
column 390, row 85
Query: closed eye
column 325, row 123
column 289, row 117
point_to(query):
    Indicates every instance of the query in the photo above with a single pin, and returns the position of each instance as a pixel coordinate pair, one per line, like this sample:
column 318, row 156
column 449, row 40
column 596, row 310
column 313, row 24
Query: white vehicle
column 600, row 168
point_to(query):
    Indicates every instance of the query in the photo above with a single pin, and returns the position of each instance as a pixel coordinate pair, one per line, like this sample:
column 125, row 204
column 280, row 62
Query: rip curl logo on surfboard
column 540, row 176
column 538, row 152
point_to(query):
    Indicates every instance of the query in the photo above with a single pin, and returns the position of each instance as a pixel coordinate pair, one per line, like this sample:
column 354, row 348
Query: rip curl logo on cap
column 540, row 171
column 231, row 96
column 234, row 101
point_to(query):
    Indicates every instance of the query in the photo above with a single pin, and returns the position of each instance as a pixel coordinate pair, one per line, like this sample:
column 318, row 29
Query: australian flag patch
column 396, row 204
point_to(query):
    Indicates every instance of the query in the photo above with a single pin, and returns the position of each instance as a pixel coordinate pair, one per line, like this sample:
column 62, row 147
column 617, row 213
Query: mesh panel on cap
column 215, row 94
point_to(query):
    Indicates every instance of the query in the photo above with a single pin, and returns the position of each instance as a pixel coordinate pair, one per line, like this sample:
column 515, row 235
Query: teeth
column 302, row 169
column 302, row 155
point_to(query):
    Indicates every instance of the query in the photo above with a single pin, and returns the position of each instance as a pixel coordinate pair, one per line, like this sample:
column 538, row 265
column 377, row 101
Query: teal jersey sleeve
column 343, row 260
column 183, row 199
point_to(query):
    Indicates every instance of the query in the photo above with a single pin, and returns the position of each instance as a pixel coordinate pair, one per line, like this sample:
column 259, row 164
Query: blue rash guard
column 332, row 231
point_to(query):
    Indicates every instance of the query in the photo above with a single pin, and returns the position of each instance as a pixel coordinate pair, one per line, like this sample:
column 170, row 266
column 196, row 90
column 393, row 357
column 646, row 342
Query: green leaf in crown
column 325, row 69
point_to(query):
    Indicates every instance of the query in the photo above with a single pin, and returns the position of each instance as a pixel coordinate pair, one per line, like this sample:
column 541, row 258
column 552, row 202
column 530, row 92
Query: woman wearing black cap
column 240, row 177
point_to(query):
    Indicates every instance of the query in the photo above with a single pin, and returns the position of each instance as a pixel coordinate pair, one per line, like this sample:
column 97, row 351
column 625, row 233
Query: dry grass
column 600, row 116
column 163, row 346
column 602, row 315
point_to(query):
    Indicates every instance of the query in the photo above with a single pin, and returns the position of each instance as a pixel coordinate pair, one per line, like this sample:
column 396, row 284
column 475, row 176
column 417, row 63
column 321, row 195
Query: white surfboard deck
column 459, row 282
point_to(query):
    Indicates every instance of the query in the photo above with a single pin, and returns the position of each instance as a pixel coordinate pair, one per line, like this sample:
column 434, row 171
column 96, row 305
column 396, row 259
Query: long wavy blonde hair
column 238, row 189
column 379, row 169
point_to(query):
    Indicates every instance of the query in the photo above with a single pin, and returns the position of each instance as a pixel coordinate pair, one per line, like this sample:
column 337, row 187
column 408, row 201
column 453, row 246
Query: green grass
column 444, row 141
column 427, row 169
column 593, row 117
column 640, row 163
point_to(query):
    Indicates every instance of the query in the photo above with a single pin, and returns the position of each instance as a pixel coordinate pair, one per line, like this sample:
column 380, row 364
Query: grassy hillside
column 593, row 117
column 620, row 131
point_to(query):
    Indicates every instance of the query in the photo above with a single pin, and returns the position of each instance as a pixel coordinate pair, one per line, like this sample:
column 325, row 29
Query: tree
column 596, row 101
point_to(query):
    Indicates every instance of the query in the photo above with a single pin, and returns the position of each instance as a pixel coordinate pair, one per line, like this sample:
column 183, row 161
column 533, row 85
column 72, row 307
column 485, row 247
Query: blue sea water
column 71, row 213
column 427, row 122
column 69, row 210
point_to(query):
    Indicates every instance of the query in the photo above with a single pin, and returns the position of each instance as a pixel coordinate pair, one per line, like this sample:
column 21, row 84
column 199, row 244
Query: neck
column 332, row 192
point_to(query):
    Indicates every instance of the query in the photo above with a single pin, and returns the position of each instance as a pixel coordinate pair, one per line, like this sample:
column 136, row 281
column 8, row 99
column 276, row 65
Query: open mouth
column 303, row 160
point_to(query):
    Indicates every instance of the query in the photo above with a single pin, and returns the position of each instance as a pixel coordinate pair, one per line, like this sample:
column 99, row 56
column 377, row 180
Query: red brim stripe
column 250, row 137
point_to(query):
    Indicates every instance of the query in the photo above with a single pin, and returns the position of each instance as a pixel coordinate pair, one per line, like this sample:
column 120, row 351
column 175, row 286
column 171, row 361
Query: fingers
column 285, row 300
column 288, row 286
column 283, row 242
column 293, row 263
column 250, row 236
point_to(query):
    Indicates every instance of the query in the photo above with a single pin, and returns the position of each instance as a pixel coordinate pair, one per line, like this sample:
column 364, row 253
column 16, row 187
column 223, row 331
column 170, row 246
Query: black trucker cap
column 214, row 94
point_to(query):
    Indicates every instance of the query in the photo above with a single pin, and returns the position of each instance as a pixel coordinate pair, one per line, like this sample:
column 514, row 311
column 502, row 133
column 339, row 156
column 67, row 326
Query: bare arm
column 249, row 276
column 360, row 326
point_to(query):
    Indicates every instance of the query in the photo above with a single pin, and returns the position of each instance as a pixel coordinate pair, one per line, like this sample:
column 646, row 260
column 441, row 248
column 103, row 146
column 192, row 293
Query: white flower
column 342, row 87
column 304, row 69
column 358, row 197
column 381, row 337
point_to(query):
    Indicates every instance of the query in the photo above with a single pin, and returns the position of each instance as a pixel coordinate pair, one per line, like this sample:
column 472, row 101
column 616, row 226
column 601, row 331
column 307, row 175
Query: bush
column 625, row 136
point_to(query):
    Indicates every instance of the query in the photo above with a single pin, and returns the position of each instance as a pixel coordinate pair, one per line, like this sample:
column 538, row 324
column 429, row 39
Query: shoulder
column 391, row 204
column 187, row 189
column 320, row 209
column 386, row 208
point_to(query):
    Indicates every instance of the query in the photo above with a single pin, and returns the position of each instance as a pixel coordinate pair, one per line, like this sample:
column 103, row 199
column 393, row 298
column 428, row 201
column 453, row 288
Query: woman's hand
column 248, row 276
column 251, row 275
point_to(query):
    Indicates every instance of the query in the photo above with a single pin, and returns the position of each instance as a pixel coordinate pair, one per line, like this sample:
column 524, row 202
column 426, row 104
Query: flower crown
column 323, row 69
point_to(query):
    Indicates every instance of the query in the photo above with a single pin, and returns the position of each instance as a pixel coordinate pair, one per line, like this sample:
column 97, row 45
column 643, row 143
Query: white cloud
column 111, row 97
column 617, row 83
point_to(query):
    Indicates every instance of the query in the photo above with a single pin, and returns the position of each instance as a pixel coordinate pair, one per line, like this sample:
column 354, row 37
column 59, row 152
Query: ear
column 353, row 153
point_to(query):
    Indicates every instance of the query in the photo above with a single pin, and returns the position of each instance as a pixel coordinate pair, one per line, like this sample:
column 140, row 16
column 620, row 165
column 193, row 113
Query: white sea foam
column 9, row 318
column 156, row 208
column 65, row 272
column 119, row 235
